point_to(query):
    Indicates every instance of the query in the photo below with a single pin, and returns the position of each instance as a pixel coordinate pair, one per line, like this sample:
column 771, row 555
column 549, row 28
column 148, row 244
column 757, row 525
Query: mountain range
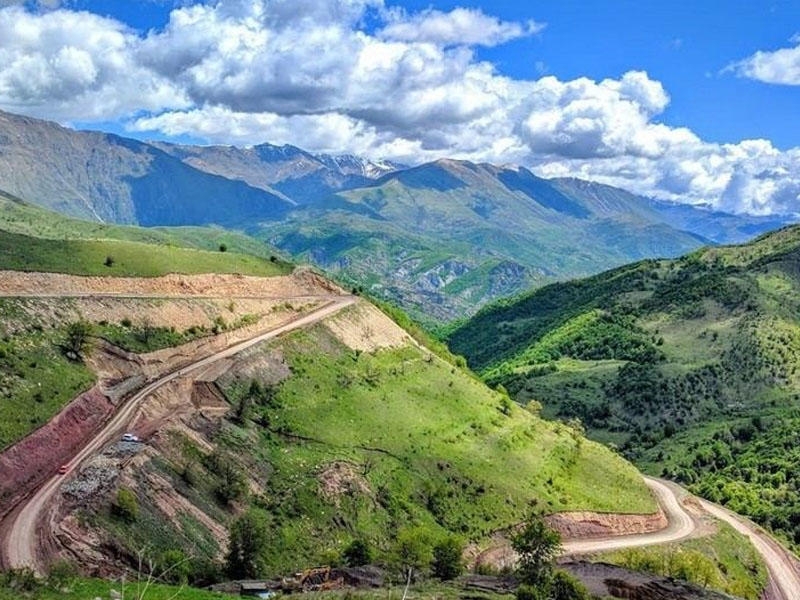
column 441, row 238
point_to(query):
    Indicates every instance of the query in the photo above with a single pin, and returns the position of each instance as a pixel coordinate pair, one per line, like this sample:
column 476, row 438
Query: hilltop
column 689, row 366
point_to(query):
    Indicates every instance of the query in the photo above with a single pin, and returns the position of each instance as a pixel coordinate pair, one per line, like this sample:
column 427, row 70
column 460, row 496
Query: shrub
column 109, row 261
column 565, row 587
column 126, row 507
column 223, row 247
column 447, row 563
column 357, row 554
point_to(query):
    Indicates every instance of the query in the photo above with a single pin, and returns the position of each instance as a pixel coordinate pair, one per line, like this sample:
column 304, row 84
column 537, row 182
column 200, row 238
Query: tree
column 447, row 562
column 77, row 340
column 232, row 481
column 357, row 554
column 249, row 541
column 223, row 247
column 537, row 546
column 412, row 550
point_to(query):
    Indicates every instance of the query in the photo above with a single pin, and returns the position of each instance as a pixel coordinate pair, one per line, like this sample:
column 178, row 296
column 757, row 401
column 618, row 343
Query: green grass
column 36, row 380
column 86, row 589
column 725, row 561
column 22, row 218
column 88, row 257
column 429, row 446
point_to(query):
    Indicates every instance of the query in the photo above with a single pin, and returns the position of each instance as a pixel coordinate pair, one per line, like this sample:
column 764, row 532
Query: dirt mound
column 28, row 463
column 300, row 283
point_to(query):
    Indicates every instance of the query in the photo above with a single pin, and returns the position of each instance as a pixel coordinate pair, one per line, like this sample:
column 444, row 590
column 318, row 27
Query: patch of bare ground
column 364, row 327
column 34, row 459
column 341, row 478
column 302, row 282
column 574, row 525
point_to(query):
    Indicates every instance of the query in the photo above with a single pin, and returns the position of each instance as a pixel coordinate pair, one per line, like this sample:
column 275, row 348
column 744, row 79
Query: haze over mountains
column 441, row 238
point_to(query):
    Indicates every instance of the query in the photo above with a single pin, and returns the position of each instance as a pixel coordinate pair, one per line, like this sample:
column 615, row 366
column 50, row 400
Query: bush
column 447, row 563
column 126, row 507
column 565, row 587
column 109, row 261
column 62, row 575
column 530, row 592
column 223, row 247
column 357, row 554
column 175, row 567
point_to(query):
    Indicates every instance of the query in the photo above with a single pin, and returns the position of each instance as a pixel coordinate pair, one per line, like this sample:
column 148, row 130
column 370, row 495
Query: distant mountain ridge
column 441, row 238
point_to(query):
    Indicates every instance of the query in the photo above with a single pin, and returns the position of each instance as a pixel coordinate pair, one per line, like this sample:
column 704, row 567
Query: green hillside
column 689, row 366
column 351, row 445
column 35, row 239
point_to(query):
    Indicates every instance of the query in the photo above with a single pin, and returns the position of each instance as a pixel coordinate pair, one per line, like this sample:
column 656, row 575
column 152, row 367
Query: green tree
column 357, row 554
column 249, row 541
column 232, row 483
column 537, row 546
column 447, row 562
column 412, row 550
column 77, row 338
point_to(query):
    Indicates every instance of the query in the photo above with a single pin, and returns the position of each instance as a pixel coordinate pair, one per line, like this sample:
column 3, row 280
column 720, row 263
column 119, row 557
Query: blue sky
column 690, row 101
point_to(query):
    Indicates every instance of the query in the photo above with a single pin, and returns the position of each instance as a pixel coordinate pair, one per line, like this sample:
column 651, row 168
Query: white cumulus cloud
column 362, row 77
column 780, row 66
column 460, row 26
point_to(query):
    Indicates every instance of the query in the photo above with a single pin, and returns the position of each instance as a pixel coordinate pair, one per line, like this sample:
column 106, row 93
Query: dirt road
column 783, row 567
column 681, row 525
column 19, row 545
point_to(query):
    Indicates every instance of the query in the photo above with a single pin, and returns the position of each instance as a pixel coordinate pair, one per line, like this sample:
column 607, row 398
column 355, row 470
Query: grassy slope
column 691, row 366
column 417, row 442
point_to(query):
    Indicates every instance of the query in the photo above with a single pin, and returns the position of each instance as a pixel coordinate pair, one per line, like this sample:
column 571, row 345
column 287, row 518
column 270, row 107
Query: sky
column 692, row 101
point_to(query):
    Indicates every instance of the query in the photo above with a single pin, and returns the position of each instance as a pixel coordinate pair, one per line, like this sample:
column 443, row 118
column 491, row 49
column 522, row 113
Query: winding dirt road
column 680, row 526
column 19, row 545
column 783, row 568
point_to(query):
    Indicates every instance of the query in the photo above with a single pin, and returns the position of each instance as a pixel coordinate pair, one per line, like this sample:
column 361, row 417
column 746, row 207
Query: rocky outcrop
column 573, row 525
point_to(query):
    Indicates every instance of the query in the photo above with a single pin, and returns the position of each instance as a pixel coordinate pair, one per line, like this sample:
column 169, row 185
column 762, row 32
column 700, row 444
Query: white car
column 129, row 437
